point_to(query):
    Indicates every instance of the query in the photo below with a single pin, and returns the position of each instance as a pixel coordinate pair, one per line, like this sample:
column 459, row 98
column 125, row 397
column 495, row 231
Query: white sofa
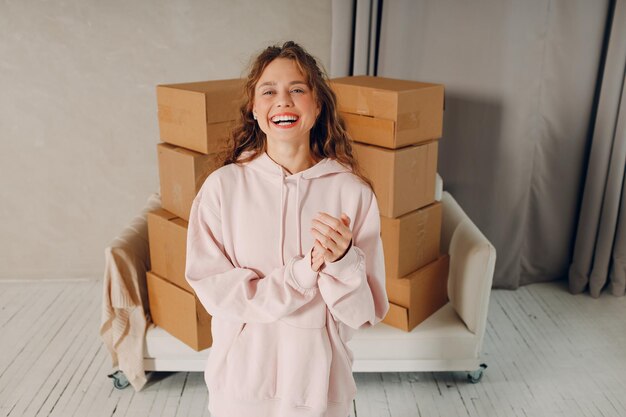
column 449, row 340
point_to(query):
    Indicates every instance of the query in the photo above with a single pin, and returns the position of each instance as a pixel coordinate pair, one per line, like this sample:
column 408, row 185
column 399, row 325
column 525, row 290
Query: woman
column 284, row 250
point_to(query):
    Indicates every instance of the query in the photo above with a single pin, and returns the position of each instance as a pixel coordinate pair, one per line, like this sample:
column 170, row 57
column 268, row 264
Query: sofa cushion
column 472, row 259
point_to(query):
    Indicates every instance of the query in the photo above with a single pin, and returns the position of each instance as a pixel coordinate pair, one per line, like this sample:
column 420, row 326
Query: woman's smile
column 285, row 120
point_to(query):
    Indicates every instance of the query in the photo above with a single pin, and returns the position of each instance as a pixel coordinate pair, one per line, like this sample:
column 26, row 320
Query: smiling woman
column 284, row 105
column 326, row 137
column 284, row 302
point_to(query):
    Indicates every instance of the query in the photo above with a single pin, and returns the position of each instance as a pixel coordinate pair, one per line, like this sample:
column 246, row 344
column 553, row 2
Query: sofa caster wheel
column 477, row 375
column 119, row 379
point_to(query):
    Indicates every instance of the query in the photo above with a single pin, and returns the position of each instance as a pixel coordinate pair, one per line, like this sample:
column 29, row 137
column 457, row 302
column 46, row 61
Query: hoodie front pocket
column 304, row 367
column 252, row 362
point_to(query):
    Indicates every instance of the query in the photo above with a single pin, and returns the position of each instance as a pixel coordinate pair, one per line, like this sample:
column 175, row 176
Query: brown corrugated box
column 199, row 115
column 167, row 237
column 404, row 179
column 179, row 312
column 389, row 112
column 416, row 297
column 412, row 240
column 182, row 173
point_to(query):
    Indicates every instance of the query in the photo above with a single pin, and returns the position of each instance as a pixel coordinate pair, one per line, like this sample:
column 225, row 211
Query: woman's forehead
column 282, row 70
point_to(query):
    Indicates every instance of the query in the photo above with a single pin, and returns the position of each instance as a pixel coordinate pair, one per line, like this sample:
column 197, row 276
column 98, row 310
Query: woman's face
column 284, row 105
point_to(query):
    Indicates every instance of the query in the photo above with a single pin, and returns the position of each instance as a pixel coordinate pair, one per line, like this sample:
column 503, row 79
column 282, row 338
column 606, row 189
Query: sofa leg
column 475, row 376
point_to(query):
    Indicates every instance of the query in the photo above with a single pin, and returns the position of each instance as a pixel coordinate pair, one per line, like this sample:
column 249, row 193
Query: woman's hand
column 317, row 257
column 333, row 237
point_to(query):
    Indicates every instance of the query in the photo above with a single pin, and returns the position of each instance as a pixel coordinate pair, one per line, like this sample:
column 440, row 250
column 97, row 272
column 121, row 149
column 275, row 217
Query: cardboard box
column 412, row 240
column 389, row 112
column 417, row 296
column 182, row 173
column 200, row 115
column 167, row 238
column 179, row 312
column 404, row 179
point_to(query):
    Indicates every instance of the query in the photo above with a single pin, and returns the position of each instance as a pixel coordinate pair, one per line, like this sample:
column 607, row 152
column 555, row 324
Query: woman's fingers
column 318, row 247
column 329, row 234
column 326, row 242
column 318, row 259
column 317, row 256
column 318, row 252
column 333, row 234
column 333, row 229
column 336, row 224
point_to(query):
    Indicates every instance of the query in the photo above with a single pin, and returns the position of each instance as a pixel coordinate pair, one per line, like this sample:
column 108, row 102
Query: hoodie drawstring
column 298, row 215
column 282, row 220
column 281, row 245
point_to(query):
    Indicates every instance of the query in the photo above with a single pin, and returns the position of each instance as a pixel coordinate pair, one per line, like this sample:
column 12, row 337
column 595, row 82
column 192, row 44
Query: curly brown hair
column 328, row 137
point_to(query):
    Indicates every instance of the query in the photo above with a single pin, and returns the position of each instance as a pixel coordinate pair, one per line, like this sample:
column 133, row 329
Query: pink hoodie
column 279, row 328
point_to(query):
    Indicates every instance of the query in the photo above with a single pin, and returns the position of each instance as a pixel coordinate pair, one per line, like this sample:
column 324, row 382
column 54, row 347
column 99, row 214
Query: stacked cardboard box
column 396, row 125
column 194, row 122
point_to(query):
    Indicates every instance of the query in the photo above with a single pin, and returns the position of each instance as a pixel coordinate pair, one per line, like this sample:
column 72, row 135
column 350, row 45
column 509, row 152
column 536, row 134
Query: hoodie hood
column 274, row 172
column 267, row 167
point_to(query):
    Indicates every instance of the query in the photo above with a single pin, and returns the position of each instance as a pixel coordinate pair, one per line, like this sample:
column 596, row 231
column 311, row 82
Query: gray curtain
column 354, row 41
column 520, row 81
column 600, row 250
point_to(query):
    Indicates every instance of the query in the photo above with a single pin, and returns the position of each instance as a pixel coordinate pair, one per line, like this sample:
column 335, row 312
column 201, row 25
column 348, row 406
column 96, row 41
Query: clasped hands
column 333, row 238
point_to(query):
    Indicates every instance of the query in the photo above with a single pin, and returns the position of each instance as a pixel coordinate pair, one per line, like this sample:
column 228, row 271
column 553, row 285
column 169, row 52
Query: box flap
column 387, row 98
column 383, row 83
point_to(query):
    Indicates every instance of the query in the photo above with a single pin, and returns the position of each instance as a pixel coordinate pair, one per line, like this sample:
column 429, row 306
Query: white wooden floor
column 549, row 354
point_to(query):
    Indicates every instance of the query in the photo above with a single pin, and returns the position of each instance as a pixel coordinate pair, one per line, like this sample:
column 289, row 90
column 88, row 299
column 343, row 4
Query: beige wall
column 78, row 122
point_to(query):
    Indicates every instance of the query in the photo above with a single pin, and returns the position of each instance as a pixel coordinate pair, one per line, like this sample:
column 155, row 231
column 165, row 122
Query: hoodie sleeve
column 239, row 293
column 354, row 286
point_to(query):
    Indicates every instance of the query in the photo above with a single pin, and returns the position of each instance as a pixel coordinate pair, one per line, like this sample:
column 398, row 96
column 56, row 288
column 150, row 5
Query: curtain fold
column 355, row 34
column 599, row 258
column 520, row 82
column 342, row 26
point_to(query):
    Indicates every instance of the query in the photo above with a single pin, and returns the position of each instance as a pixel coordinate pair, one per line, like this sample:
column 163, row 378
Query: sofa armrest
column 472, row 264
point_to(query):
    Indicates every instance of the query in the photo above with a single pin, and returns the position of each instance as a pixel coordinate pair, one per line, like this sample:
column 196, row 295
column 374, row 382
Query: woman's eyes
column 295, row 90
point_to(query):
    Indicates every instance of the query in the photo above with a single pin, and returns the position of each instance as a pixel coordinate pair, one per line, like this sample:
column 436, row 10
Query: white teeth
column 276, row 119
